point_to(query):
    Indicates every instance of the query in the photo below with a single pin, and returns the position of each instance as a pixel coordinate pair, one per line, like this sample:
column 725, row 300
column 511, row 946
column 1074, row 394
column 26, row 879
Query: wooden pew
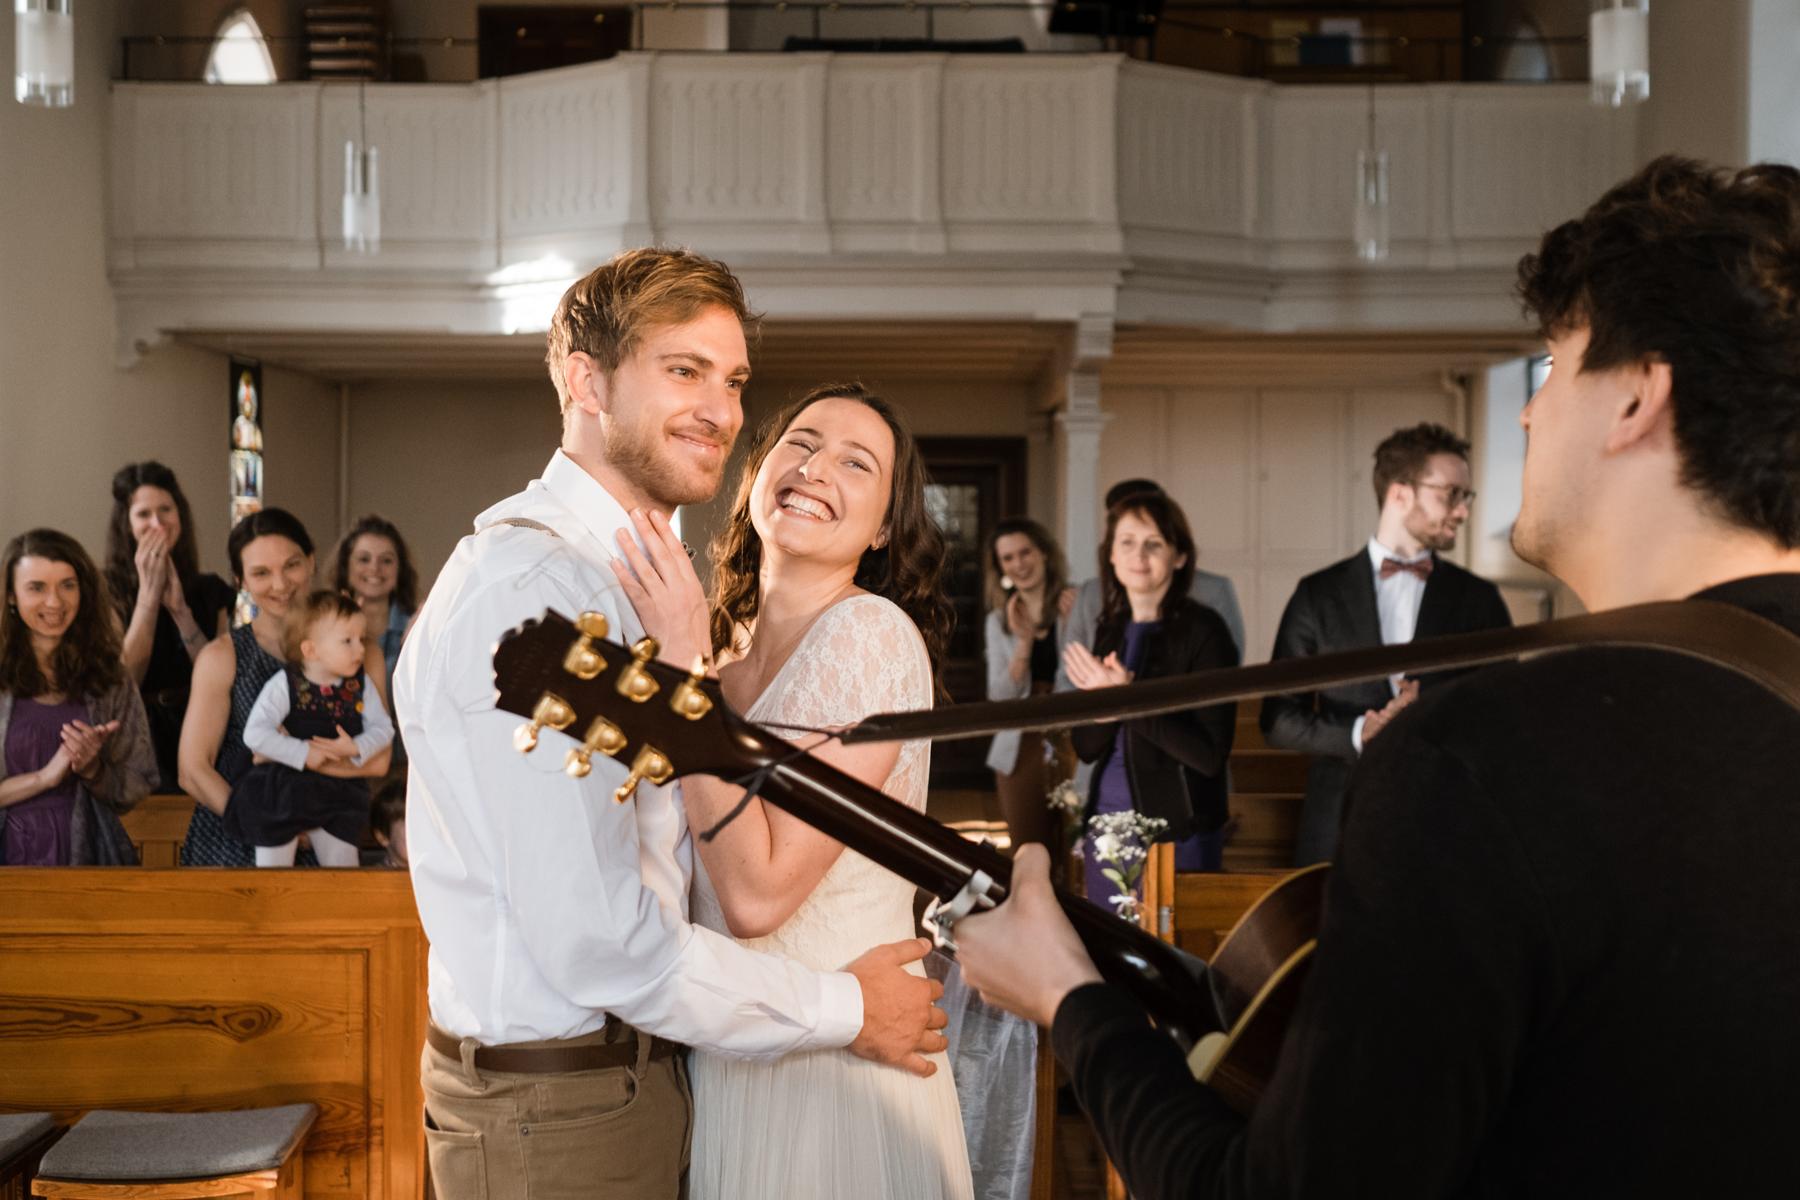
column 1194, row 910
column 206, row 989
column 158, row 826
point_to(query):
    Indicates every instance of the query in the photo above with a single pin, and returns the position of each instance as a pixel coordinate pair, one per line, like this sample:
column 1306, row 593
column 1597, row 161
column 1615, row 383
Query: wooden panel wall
column 197, row 989
column 1275, row 481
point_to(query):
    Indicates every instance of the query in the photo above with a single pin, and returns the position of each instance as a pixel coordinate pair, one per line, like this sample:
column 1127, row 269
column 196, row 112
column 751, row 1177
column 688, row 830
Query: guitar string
column 756, row 780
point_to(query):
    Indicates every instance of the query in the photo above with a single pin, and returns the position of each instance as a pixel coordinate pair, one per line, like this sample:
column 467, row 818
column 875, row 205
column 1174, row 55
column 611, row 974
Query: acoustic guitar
column 564, row 677
column 1229, row 1015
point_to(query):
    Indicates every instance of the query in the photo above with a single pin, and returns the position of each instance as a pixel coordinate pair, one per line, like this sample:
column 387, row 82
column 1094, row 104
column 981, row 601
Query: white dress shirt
column 547, row 904
column 1397, row 600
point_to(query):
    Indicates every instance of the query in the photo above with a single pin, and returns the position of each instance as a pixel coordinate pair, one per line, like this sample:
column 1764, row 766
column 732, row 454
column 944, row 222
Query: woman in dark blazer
column 1172, row 766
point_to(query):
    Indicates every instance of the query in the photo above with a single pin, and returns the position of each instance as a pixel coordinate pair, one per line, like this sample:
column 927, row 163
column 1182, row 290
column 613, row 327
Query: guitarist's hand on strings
column 660, row 583
column 900, row 1013
column 1024, row 956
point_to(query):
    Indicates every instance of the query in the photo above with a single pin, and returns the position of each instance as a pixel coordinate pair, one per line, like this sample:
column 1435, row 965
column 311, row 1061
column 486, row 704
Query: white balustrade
column 861, row 185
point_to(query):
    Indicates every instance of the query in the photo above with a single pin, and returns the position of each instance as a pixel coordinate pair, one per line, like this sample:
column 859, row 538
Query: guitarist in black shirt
column 1561, row 944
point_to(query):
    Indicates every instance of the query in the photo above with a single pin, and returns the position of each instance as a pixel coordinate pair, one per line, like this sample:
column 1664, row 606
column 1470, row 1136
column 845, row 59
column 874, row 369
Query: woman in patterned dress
column 272, row 558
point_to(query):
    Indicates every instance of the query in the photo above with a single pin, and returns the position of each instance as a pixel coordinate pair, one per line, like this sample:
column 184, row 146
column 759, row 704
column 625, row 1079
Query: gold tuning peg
column 582, row 660
column 602, row 736
column 650, row 764
column 551, row 712
column 635, row 683
column 688, row 700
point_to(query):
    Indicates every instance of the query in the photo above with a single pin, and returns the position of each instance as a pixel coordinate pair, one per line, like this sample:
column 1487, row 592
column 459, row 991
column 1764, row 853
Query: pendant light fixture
column 1619, row 52
column 1370, row 231
column 44, row 53
column 362, row 185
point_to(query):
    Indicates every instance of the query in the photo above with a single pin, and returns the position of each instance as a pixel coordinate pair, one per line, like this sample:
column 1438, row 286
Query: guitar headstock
column 618, row 701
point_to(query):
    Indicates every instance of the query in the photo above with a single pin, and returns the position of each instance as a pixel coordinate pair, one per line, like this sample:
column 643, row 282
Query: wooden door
column 975, row 483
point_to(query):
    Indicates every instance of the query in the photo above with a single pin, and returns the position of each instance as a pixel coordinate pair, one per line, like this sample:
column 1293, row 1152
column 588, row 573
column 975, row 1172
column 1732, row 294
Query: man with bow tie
column 1395, row 590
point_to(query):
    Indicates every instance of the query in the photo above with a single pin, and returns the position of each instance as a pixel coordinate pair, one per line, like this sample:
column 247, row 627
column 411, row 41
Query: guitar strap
column 1722, row 634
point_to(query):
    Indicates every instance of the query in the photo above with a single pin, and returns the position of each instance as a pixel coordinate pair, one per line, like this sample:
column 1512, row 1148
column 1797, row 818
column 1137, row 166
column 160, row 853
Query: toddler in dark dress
column 320, row 712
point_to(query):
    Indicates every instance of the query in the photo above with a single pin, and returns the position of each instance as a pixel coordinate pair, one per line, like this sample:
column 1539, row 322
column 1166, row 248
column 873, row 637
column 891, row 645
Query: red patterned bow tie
column 1393, row 566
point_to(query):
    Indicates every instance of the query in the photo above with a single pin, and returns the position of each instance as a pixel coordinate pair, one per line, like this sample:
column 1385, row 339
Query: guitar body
column 1256, row 976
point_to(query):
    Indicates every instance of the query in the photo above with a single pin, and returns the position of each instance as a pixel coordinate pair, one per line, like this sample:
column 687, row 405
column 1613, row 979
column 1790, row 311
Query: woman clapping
column 72, row 729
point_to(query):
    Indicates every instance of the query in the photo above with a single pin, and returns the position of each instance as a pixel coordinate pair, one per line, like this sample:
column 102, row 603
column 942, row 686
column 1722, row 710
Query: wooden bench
column 158, row 826
column 212, row 989
column 1194, row 910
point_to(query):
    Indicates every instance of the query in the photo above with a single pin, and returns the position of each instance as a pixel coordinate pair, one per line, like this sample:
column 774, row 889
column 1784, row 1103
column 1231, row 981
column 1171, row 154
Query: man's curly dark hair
column 1698, row 267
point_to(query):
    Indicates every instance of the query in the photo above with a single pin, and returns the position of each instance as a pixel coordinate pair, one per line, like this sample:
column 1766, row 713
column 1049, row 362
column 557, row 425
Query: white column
column 1773, row 105
column 1078, row 428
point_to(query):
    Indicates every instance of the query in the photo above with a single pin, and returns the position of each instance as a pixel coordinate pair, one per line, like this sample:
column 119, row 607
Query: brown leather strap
column 549, row 1060
column 1718, row 633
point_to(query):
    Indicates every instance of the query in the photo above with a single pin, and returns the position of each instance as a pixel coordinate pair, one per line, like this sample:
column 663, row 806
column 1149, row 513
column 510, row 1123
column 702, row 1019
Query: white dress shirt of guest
column 1418, row 518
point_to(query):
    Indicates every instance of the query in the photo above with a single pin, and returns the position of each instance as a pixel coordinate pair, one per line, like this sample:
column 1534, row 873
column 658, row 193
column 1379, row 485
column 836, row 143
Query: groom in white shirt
column 564, row 976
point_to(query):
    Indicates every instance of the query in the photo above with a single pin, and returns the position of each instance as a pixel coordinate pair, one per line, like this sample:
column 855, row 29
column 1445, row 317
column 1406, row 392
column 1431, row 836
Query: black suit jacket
column 1176, row 762
column 1334, row 609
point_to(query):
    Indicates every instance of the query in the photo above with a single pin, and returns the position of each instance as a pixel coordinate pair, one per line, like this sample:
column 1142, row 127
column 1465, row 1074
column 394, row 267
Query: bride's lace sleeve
column 863, row 656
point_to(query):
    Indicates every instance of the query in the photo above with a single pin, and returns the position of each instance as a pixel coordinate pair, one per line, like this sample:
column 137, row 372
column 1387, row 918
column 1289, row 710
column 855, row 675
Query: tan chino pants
column 594, row 1135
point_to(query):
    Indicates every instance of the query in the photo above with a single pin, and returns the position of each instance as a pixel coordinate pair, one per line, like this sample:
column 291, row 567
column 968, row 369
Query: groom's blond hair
column 605, row 313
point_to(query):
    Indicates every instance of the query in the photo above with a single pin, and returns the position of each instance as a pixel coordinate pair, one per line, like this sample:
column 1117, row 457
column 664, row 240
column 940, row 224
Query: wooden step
column 1249, row 734
column 1262, row 836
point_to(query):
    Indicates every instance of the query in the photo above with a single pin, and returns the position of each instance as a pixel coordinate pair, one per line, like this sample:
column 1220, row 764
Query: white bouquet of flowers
column 1121, row 842
column 1067, row 803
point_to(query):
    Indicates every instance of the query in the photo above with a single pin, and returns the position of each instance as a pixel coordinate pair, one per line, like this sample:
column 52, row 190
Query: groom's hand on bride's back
column 901, row 1018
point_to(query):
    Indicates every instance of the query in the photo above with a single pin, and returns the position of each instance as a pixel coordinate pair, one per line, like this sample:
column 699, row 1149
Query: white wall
column 68, row 416
column 1774, row 107
column 429, row 456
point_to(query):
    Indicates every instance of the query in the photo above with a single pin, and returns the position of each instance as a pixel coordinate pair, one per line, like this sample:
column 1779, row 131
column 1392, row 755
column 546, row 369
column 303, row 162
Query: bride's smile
column 823, row 491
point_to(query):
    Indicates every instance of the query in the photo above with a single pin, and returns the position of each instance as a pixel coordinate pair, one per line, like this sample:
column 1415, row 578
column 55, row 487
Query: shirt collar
column 1377, row 552
column 583, row 496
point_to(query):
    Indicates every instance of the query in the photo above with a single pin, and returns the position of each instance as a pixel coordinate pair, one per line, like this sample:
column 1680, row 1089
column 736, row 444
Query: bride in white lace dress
column 823, row 579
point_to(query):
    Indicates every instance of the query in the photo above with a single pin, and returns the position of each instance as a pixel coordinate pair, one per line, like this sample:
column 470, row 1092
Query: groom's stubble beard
column 640, row 453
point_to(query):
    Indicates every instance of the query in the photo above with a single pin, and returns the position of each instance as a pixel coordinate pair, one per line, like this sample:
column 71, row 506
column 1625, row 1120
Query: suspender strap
column 521, row 523
column 1722, row 634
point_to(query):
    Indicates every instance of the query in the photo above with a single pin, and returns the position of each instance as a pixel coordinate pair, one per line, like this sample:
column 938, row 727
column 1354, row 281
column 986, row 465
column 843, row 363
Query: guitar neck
column 1171, row 985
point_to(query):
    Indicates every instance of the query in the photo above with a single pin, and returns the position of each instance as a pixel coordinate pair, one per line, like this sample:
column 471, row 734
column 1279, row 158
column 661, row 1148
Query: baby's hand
column 341, row 748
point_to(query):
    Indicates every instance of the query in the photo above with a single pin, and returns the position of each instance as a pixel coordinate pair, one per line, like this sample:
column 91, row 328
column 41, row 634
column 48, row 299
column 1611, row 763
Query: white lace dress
column 826, row 1123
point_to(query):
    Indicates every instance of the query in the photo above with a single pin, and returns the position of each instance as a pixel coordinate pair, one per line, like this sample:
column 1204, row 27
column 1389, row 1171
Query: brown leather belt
column 549, row 1060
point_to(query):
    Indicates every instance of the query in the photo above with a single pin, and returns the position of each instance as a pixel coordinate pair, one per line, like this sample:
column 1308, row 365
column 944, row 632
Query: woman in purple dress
column 1172, row 766
column 74, row 745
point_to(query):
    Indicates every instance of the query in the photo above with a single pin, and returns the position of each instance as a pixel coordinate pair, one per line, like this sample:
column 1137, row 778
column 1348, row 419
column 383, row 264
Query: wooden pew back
column 201, row 989
column 158, row 826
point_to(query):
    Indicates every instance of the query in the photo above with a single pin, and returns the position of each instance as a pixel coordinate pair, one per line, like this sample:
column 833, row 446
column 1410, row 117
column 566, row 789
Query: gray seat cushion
column 19, row 1130
column 141, row 1146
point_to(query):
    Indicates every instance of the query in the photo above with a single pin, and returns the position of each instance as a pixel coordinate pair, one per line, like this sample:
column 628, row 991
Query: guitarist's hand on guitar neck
column 900, row 1013
column 1024, row 956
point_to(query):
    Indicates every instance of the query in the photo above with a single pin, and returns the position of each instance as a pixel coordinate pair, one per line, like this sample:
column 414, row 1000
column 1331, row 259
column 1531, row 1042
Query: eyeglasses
column 1454, row 496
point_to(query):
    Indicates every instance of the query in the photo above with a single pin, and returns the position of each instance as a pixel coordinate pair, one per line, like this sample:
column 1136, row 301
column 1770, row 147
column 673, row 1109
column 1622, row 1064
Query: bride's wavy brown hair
column 908, row 568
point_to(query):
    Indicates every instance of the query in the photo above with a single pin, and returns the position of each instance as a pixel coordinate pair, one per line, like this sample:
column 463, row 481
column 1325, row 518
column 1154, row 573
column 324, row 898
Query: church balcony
column 1065, row 187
